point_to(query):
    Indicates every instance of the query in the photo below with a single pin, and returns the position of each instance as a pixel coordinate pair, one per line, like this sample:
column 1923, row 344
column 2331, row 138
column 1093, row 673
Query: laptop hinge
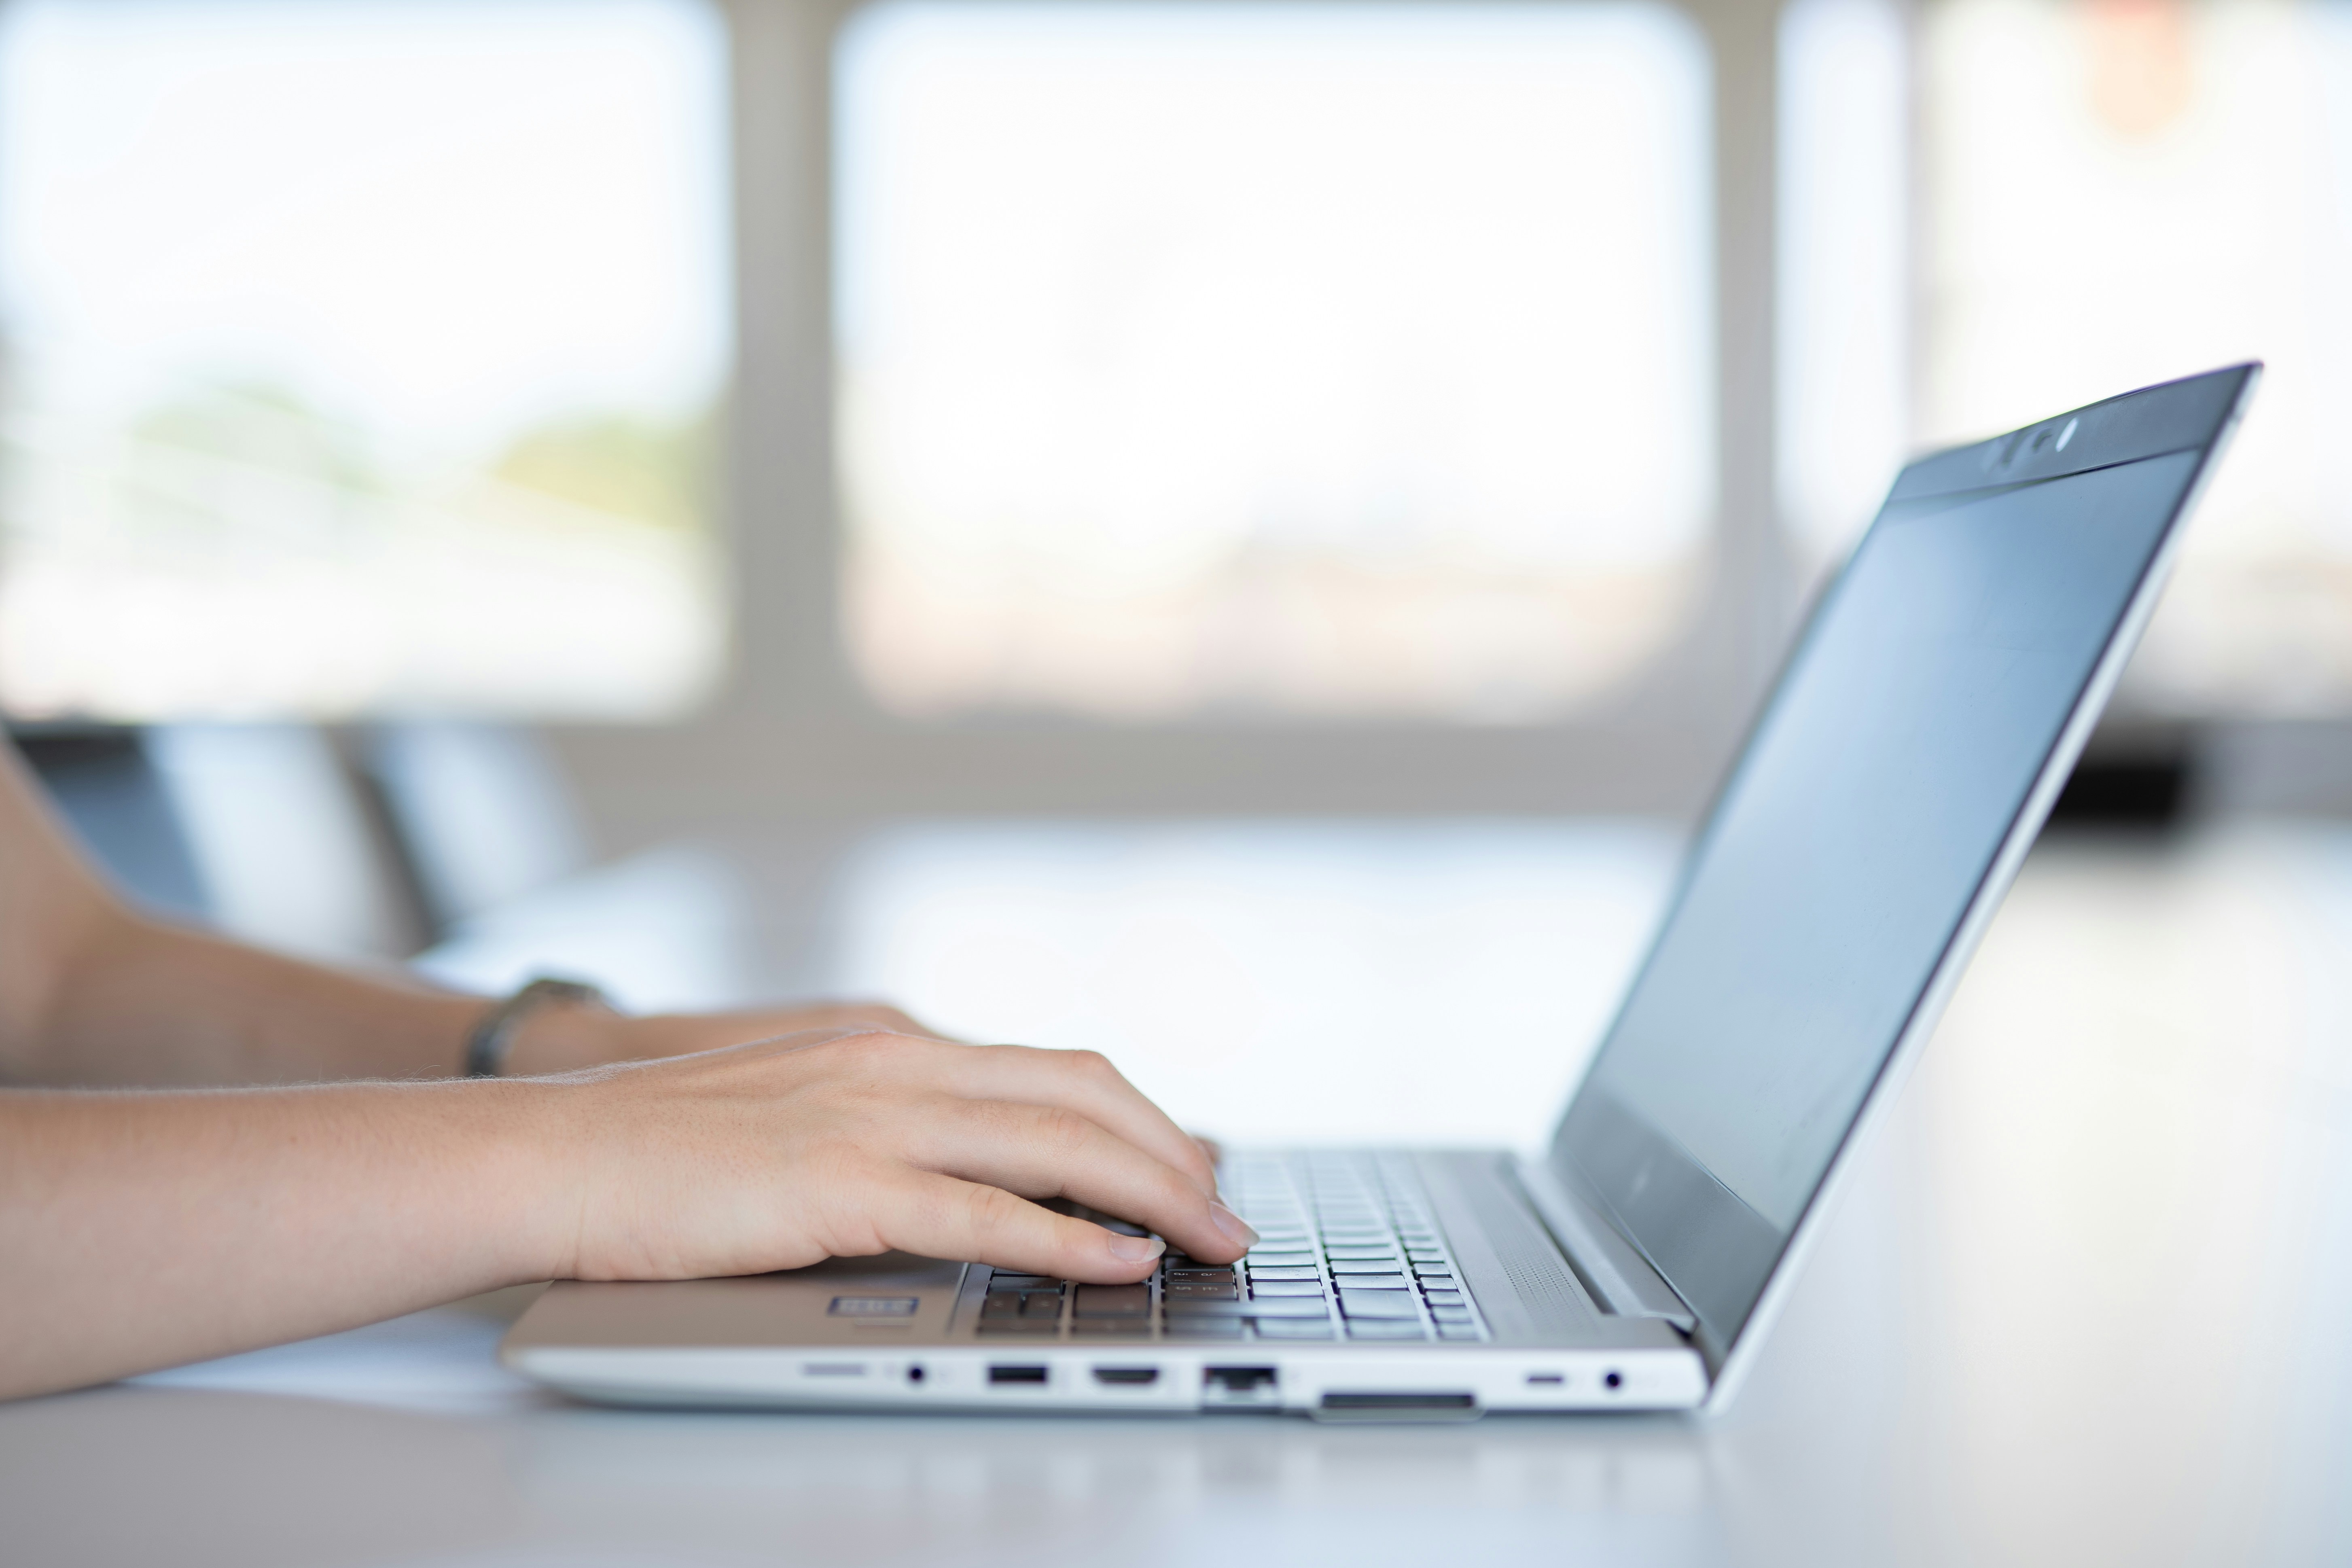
column 1612, row 1268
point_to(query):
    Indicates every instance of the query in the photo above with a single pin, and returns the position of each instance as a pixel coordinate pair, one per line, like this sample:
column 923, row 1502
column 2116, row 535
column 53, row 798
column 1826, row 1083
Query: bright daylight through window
column 2122, row 191
column 1333, row 360
column 360, row 356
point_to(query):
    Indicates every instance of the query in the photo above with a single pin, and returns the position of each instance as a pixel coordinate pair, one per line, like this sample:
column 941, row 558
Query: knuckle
column 990, row 1211
column 1064, row 1132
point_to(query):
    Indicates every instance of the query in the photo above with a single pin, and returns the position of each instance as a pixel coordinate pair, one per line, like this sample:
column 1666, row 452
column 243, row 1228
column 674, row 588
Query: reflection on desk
column 2084, row 1303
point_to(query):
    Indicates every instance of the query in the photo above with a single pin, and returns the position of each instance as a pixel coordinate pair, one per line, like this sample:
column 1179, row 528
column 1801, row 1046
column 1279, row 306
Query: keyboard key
column 1278, row 1307
column 1441, row 1298
column 1285, row 1272
column 1022, row 1282
column 1201, row 1276
column 1173, row 1291
column 1207, row 1329
column 1347, row 1281
column 1379, row 1304
column 1042, row 1304
column 1114, row 1300
column 1293, row 1329
column 1001, row 1306
column 1096, row 1327
column 1382, row 1328
column 1263, row 1288
column 1451, row 1314
column 1459, row 1332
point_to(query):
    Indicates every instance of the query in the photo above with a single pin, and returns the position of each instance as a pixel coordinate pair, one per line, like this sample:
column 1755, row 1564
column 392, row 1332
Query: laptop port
column 1240, row 1387
column 1398, row 1407
column 1612, row 1381
column 1542, row 1379
column 1127, row 1376
column 1016, row 1374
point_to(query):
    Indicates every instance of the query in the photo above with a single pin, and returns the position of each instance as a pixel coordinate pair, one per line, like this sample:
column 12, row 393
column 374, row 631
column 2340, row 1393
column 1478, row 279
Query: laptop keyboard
column 1348, row 1249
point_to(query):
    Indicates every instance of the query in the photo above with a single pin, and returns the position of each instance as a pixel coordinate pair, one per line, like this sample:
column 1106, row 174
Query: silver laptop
column 1892, row 782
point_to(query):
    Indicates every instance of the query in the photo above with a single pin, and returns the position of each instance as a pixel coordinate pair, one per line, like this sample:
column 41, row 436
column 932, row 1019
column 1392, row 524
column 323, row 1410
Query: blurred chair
column 481, row 814
column 110, row 794
column 289, row 851
column 254, row 829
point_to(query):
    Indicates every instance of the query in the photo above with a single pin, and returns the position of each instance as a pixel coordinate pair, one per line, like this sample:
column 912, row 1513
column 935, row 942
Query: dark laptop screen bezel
column 1715, row 1251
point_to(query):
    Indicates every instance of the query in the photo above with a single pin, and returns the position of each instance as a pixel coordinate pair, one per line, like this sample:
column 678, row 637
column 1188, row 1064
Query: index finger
column 1083, row 1081
column 934, row 1215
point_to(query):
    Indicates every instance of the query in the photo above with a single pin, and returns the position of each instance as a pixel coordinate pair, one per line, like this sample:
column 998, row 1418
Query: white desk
column 2086, row 1303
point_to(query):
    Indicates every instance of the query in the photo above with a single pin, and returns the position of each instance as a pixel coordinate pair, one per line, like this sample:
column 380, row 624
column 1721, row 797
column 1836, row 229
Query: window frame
column 791, row 710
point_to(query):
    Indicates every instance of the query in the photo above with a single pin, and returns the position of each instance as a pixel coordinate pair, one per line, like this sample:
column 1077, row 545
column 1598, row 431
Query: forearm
column 140, row 1003
column 142, row 1230
column 92, row 993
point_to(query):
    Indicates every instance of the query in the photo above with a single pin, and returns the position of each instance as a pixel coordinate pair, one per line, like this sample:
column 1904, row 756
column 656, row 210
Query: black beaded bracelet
column 486, row 1047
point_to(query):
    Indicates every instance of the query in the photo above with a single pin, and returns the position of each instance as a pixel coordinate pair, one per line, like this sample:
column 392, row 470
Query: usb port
column 1016, row 1374
column 1127, row 1376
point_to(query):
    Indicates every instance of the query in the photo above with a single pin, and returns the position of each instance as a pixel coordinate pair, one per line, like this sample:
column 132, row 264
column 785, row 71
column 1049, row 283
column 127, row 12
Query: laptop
column 1893, row 781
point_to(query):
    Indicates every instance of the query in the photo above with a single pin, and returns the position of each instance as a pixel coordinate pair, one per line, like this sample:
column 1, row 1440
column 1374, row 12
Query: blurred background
column 450, row 445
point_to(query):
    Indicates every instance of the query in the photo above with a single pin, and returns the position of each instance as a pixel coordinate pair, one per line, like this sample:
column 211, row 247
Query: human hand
column 851, row 1141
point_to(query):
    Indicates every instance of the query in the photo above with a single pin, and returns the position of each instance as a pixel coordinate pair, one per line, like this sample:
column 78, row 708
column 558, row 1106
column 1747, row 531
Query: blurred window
column 1338, row 359
column 360, row 355
column 1843, row 422
column 2122, row 191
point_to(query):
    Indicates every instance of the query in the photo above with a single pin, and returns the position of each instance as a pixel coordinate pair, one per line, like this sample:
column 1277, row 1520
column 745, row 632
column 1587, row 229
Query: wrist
column 546, row 1166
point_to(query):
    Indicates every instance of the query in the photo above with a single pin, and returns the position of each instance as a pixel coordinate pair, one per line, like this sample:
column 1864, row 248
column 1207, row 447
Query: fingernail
column 1135, row 1248
column 1238, row 1230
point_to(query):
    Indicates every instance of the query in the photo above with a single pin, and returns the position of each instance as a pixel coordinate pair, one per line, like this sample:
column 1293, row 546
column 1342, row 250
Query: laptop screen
column 1855, row 832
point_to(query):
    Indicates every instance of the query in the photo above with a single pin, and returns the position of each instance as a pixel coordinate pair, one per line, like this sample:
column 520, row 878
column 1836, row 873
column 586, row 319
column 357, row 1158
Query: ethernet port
column 1240, row 1388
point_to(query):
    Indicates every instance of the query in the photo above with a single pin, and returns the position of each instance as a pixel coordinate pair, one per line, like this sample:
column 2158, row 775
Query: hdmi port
column 1127, row 1376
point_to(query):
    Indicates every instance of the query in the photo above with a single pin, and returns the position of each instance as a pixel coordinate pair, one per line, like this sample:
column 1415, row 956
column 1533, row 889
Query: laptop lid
column 1893, row 781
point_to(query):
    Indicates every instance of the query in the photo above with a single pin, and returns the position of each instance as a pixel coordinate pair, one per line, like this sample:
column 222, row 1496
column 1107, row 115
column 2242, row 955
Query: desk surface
column 2084, row 1304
